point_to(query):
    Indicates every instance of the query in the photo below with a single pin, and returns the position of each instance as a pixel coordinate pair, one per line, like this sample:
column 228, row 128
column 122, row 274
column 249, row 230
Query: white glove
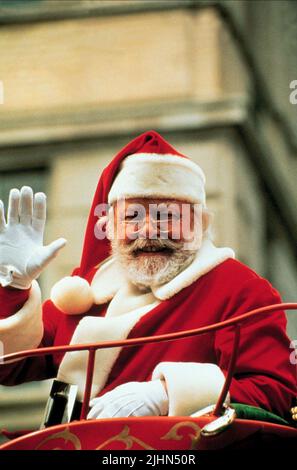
column 22, row 254
column 131, row 399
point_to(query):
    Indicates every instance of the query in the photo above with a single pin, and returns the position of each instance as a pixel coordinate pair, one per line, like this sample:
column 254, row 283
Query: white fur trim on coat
column 159, row 176
column 123, row 312
column 107, row 281
column 207, row 258
column 110, row 278
column 24, row 329
column 127, row 306
column 191, row 386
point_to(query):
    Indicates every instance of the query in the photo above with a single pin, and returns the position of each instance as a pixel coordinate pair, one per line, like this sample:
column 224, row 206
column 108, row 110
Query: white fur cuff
column 24, row 329
column 191, row 386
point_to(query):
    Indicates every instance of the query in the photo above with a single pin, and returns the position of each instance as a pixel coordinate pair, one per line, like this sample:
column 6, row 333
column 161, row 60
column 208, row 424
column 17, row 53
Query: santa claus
column 148, row 267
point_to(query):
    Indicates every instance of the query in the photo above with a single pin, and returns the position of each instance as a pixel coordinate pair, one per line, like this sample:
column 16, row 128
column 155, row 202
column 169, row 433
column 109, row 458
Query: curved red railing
column 93, row 347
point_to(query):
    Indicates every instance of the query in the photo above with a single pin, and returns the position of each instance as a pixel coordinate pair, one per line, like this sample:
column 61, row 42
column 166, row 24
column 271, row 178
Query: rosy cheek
column 120, row 232
column 187, row 230
column 126, row 235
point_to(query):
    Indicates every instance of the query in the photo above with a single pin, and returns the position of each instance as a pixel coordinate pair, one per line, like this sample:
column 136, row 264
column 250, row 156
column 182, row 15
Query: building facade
column 80, row 79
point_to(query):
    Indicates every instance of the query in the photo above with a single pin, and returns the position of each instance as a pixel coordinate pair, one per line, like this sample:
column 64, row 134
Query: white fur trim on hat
column 160, row 176
column 24, row 329
column 191, row 386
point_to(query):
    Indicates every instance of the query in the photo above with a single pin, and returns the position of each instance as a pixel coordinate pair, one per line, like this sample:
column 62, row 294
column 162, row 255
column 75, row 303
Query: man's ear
column 205, row 220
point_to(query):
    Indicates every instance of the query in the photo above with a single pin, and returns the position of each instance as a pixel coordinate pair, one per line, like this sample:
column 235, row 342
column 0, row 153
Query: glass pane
column 36, row 178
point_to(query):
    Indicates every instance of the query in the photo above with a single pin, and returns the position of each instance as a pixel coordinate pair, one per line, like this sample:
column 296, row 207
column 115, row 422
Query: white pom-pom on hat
column 72, row 295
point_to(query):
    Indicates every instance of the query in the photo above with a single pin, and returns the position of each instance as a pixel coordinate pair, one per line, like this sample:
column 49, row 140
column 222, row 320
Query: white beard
column 150, row 270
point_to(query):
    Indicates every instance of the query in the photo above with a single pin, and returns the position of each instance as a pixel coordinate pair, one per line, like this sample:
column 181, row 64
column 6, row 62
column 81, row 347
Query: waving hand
column 22, row 253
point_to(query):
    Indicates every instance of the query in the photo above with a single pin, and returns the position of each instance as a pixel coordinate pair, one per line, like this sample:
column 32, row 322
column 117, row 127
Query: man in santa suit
column 146, row 277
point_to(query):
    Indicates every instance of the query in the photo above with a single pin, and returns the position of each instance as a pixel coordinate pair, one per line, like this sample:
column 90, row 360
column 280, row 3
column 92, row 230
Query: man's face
column 154, row 239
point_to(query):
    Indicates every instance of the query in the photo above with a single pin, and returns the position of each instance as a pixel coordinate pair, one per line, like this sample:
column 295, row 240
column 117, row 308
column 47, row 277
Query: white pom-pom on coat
column 72, row 295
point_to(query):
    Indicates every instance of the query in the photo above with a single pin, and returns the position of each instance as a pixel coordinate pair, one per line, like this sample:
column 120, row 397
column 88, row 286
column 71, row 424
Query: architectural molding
column 95, row 122
column 49, row 131
column 22, row 12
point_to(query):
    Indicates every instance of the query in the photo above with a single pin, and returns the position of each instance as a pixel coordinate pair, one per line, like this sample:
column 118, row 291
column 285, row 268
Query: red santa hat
column 158, row 170
column 148, row 166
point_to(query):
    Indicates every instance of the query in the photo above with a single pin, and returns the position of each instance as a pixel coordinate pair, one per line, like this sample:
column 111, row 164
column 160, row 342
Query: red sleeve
column 34, row 368
column 264, row 376
column 12, row 300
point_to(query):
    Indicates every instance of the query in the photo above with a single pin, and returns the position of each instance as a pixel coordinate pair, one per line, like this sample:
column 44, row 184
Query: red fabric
column 11, row 300
column 264, row 376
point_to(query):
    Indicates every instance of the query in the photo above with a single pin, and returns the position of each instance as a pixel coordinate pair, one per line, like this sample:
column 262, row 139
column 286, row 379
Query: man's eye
column 133, row 216
column 165, row 216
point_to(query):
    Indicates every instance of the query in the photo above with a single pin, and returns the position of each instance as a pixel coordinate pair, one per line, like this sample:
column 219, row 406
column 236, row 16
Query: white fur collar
column 107, row 281
column 114, row 326
column 110, row 276
column 206, row 259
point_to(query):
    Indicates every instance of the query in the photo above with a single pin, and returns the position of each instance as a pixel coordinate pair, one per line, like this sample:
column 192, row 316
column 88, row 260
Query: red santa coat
column 264, row 376
column 221, row 288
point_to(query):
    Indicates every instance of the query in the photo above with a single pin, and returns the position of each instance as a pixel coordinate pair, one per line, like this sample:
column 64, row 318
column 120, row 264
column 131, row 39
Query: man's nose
column 148, row 229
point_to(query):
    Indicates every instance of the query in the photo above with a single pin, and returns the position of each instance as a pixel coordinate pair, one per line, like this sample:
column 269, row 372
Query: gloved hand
column 22, row 254
column 131, row 399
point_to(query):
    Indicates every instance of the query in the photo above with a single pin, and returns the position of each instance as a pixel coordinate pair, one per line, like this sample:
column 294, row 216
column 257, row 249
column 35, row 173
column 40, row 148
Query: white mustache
column 142, row 243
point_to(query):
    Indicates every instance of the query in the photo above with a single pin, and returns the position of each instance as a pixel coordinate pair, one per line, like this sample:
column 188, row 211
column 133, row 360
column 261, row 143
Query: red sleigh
column 237, row 427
